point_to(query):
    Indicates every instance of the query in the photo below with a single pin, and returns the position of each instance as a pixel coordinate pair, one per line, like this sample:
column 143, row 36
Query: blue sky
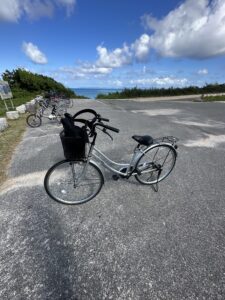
column 120, row 43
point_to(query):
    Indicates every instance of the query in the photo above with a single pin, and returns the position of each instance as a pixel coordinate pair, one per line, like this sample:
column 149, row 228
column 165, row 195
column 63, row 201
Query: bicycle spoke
column 162, row 158
column 73, row 183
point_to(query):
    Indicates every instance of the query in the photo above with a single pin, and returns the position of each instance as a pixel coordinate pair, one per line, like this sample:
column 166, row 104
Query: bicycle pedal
column 115, row 177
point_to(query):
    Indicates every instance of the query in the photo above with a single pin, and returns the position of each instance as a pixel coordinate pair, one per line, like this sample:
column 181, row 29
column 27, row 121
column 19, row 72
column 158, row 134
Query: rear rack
column 166, row 139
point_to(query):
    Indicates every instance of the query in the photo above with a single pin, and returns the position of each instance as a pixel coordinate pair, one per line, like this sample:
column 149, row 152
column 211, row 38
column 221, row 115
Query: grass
column 9, row 139
column 20, row 97
column 213, row 98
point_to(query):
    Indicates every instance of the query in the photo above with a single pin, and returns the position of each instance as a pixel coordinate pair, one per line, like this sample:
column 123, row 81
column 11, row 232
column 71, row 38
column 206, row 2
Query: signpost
column 5, row 93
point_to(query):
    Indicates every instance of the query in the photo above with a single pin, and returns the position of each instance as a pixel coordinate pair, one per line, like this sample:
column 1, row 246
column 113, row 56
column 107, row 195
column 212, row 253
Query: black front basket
column 74, row 147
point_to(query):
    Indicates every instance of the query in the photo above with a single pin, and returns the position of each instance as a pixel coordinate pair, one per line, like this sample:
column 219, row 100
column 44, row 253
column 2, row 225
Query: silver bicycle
column 45, row 108
column 79, row 179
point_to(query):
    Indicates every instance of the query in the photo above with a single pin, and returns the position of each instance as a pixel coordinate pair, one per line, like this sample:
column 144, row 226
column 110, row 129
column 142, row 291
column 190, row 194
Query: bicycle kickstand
column 155, row 186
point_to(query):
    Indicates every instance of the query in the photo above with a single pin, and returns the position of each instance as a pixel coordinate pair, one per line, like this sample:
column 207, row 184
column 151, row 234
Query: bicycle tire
column 70, row 103
column 33, row 121
column 157, row 155
column 59, row 182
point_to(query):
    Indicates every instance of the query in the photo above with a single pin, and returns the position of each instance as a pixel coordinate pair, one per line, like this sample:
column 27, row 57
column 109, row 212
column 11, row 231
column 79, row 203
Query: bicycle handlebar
column 107, row 127
column 87, row 110
column 92, row 111
column 96, row 121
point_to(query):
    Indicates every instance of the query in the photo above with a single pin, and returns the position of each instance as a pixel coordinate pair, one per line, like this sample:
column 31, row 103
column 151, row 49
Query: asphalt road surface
column 129, row 242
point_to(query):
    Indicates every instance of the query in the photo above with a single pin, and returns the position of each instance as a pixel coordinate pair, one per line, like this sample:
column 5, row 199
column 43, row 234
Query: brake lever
column 104, row 130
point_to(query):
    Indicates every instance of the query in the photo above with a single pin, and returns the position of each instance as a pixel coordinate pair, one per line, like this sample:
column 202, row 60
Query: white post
column 3, row 124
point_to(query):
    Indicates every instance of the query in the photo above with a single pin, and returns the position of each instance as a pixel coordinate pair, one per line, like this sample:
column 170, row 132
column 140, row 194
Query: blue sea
column 92, row 93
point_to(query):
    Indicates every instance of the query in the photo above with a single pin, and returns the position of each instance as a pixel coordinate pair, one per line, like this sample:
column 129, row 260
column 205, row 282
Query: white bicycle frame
column 129, row 167
column 117, row 167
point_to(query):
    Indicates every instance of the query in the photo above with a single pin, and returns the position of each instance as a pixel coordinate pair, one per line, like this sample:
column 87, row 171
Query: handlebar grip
column 103, row 119
column 111, row 128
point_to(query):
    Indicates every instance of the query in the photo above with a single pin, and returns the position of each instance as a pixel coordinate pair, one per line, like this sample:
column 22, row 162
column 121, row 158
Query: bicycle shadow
column 109, row 179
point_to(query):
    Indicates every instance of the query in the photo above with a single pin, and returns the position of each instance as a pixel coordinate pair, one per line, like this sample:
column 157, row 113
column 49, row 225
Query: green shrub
column 213, row 98
column 26, row 85
column 156, row 92
column 21, row 79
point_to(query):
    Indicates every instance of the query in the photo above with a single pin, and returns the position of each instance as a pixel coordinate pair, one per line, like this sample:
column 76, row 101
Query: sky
column 115, row 43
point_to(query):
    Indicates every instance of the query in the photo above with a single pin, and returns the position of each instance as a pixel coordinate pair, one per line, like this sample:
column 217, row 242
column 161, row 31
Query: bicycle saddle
column 146, row 140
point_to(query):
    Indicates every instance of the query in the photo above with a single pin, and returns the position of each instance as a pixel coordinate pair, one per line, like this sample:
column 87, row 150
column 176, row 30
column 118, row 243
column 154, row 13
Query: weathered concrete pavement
column 128, row 242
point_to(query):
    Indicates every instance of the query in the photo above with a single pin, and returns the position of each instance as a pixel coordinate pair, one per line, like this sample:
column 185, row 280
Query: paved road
column 129, row 242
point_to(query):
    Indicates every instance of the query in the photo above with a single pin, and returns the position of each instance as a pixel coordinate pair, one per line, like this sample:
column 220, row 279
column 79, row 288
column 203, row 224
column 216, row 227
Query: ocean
column 92, row 93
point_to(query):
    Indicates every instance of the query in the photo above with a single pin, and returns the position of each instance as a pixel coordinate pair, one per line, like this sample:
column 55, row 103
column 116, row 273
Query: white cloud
column 203, row 72
column 85, row 70
column 114, row 59
column 116, row 82
column 36, row 9
column 141, row 47
column 34, row 54
column 9, row 10
column 14, row 10
column 94, row 69
column 166, row 81
column 195, row 29
column 103, row 66
column 69, row 4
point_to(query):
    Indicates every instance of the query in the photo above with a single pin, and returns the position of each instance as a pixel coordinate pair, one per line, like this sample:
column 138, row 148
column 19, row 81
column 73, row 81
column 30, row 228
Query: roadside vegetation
column 156, row 92
column 26, row 85
column 19, row 97
column 9, row 138
column 213, row 98
column 22, row 80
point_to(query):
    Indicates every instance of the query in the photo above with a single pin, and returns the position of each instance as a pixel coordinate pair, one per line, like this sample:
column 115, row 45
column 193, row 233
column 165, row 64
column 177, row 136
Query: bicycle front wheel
column 34, row 120
column 69, row 103
column 73, row 182
column 156, row 164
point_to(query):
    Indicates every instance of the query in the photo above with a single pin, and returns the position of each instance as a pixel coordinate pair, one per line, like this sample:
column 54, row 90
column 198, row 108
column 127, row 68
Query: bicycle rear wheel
column 156, row 164
column 73, row 182
column 33, row 120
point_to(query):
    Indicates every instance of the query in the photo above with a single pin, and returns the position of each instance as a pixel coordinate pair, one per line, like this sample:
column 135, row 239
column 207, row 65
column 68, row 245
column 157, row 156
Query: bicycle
column 79, row 178
column 40, row 111
column 67, row 101
column 59, row 98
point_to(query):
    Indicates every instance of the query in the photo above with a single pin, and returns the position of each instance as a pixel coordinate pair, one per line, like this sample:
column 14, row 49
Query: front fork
column 77, row 179
column 74, row 174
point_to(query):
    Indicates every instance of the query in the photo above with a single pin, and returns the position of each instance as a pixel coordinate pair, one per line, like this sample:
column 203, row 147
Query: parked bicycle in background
column 51, row 107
